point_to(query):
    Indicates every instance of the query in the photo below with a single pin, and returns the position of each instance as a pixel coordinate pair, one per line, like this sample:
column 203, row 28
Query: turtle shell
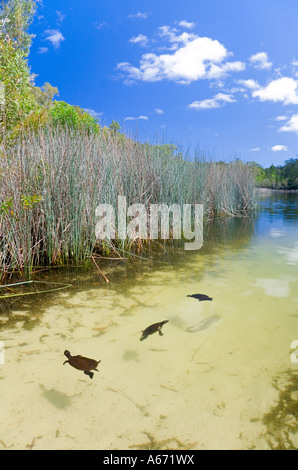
column 200, row 297
column 81, row 363
column 152, row 329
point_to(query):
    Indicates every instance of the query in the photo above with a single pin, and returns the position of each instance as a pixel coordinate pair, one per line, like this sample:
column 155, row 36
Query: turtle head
column 67, row 354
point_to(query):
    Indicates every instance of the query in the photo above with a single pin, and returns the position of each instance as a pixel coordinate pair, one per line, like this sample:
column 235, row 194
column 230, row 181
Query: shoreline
column 277, row 190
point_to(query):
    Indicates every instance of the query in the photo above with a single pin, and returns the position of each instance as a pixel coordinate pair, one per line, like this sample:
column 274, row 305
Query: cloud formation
column 55, row 37
column 260, row 60
column 140, row 39
column 131, row 118
column 279, row 148
column 60, row 17
column 194, row 58
column 281, row 118
column 281, row 90
column 43, row 50
column 217, row 101
column 292, row 125
column 187, row 24
column 140, row 14
column 93, row 113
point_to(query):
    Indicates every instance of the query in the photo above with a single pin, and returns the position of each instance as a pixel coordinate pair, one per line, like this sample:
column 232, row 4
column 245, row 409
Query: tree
column 257, row 170
column 65, row 115
column 44, row 95
column 115, row 127
column 15, row 18
column 17, row 96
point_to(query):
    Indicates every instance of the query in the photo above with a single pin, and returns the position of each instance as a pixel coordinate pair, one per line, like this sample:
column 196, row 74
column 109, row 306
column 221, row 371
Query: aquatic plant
column 281, row 420
column 52, row 181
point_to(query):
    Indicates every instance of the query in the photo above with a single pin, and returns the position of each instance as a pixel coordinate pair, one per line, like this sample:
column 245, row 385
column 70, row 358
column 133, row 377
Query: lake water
column 220, row 377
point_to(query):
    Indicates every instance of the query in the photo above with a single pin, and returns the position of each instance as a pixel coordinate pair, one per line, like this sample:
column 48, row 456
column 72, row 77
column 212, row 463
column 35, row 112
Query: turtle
column 200, row 297
column 153, row 329
column 82, row 363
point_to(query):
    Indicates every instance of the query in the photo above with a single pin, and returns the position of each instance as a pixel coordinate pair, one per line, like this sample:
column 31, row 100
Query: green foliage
column 257, row 170
column 30, row 202
column 277, row 177
column 6, row 206
column 115, row 127
column 17, row 98
column 44, row 95
column 15, row 19
column 15, row 76
column 65, row 115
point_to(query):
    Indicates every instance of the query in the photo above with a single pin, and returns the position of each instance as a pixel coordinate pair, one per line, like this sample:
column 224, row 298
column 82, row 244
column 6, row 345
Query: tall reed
column 52, row 181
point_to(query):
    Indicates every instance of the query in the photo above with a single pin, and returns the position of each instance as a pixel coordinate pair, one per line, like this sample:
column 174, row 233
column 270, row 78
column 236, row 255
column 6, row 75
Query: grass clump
column 51, row 182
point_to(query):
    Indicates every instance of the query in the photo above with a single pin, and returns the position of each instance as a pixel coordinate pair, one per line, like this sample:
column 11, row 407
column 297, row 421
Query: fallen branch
column 105, row 278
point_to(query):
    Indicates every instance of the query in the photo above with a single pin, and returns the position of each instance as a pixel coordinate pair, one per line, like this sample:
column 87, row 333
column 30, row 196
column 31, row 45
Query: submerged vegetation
column 281, row 420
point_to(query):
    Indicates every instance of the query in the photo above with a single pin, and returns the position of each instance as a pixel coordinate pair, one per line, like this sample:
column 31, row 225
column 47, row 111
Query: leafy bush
column 65, row 115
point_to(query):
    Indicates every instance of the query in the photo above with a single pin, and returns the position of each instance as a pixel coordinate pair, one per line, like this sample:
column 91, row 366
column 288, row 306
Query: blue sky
column 218, row 75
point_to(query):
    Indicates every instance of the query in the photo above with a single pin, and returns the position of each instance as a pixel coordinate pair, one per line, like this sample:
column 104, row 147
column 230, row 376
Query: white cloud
column 131, row 118
column 43, row 50
column 256, row 149
column 198, row 58
column 250, row 83
column 140, row 39
column 93, row 113
column 60, row 17
column 260, row 60
column 292, row 125
column 279, row 148
column 217, row 101
column 283, row 90
column 166, row 32
column 100, row 25
column 143, row 15
column 159, row 111
column 281, row 118
column 295, row 63
column 186, row 24
column 55, row 37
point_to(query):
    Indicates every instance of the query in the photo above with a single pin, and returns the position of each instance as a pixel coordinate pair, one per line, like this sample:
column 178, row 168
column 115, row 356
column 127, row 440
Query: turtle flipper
column 65, row 362
column 160, row 333
column 89, row 373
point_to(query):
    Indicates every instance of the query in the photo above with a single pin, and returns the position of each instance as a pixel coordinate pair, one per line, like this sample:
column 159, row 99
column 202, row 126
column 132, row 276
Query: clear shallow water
column 219, row 378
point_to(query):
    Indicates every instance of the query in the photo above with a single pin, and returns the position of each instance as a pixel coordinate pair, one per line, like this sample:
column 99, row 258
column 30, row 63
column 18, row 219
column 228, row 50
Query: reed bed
column 51, row 183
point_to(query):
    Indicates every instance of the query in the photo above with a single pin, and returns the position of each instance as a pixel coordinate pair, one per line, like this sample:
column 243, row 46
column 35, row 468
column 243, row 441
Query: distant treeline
column 277, row 177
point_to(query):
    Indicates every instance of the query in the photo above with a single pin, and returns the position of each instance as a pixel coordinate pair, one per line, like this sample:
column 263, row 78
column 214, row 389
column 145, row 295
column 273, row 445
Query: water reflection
column 221, row 236
column 274, row 287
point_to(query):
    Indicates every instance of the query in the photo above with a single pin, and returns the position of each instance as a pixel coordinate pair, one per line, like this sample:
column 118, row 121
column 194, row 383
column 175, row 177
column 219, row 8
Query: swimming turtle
column 200, row 297
column 153, row 329
column 82, row 363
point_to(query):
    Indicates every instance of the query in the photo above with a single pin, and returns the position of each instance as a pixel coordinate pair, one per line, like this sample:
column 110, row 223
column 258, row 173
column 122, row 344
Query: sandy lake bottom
column 216, row 379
